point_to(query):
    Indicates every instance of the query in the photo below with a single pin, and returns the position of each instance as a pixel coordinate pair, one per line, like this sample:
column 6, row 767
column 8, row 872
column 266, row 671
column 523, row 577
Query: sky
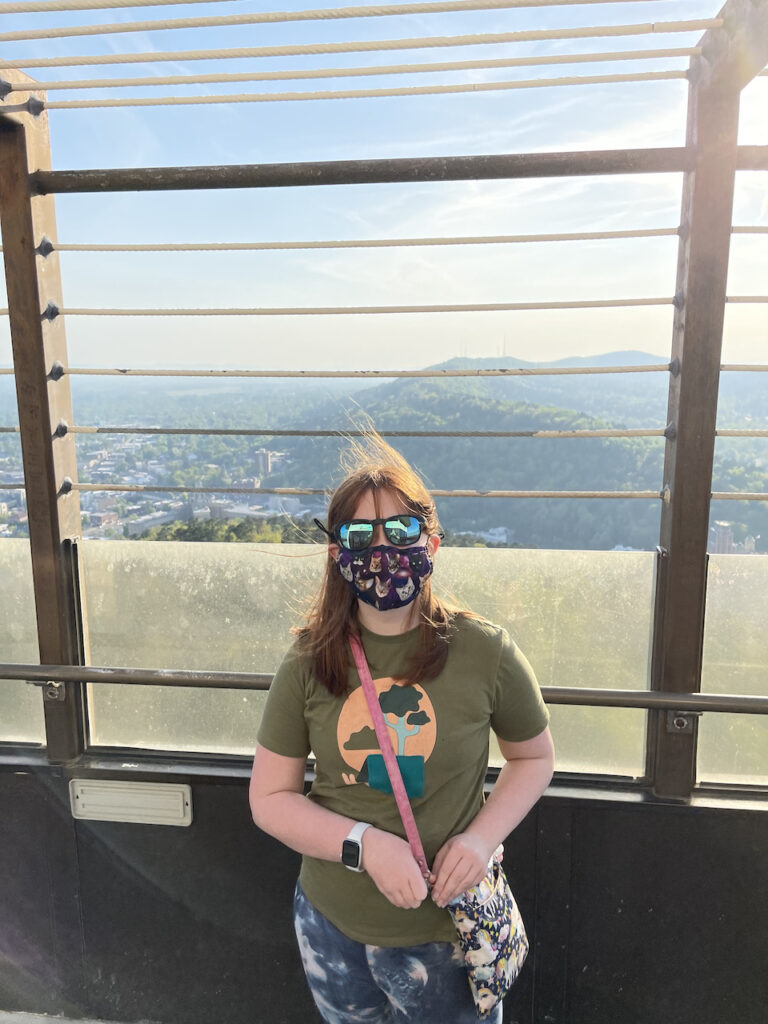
column 528, row 120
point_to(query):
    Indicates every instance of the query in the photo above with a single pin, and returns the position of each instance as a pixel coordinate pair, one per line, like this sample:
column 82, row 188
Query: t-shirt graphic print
column 410, row 719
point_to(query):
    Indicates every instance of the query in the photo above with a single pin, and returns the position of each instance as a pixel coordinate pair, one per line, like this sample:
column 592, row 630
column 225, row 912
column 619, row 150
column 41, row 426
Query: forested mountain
column 515, row 403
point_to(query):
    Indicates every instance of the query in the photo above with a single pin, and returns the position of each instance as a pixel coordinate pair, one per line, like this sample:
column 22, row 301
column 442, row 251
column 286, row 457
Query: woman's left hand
column 460, row 863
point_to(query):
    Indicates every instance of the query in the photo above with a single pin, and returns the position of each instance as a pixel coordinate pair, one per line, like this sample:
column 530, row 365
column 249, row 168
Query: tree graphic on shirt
column 403, row 703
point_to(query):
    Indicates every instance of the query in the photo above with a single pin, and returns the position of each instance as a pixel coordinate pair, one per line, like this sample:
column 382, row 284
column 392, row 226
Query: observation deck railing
column 733, row 50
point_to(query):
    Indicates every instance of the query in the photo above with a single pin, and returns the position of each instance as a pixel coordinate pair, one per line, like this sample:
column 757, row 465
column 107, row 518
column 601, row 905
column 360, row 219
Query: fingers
column 453, row 884
column 408, row 896
column 460, row 866
column 389, row 862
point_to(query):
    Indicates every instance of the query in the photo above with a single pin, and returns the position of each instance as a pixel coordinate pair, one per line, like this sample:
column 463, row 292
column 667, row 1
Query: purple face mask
column 385, row 577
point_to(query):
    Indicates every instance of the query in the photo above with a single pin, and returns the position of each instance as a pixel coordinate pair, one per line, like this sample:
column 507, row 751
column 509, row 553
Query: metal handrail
column 571, row 695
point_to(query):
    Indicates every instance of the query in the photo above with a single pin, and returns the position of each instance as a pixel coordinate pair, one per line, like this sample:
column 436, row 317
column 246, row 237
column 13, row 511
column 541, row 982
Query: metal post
column 33, row 282
column 730, row 57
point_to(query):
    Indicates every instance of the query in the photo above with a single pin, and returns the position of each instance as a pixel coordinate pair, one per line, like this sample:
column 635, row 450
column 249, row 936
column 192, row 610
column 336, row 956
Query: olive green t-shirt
column 440, row 733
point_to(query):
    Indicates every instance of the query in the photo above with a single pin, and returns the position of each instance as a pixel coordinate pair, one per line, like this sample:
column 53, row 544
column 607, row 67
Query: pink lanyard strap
column 393, row 768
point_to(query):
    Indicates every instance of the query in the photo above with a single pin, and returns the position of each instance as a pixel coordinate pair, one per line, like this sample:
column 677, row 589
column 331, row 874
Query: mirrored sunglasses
column 357, row 534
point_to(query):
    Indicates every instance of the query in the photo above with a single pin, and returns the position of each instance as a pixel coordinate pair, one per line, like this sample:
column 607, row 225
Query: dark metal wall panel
column 637, row 913
column 553, row 900
column 191, row 924
column 669, row 917
column 40, row 934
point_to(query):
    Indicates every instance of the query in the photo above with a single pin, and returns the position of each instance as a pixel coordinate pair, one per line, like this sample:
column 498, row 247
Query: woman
column 377, row 944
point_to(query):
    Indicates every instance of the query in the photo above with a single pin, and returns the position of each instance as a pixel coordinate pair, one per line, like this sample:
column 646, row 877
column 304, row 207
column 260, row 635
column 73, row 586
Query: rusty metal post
column 731, row 57
column 38, row 340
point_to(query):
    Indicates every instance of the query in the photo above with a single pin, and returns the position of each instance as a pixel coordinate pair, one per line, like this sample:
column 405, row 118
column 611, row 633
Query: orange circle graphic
column 408, row 713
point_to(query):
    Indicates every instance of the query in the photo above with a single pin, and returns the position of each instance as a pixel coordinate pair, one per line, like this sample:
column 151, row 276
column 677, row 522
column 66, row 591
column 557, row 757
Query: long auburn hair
column 375, row 467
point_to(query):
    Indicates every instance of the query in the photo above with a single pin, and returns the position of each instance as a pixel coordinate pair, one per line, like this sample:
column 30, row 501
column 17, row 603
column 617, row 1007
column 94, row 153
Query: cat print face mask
column 385, row 577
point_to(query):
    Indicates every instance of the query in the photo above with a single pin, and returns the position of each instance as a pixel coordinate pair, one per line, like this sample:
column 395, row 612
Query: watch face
column 350, row 853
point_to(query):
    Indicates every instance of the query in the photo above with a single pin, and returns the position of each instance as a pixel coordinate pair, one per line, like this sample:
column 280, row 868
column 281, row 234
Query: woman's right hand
column 389, row 862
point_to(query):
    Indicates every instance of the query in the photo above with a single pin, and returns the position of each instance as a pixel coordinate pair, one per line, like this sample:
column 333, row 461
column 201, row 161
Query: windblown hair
column 374, row 467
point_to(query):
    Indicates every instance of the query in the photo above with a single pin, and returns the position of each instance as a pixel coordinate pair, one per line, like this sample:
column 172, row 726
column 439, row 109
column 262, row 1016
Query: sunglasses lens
column 355, row 536
column 403, row 530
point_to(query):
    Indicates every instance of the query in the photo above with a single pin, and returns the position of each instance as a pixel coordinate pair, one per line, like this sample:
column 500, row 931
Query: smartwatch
column 352, row 847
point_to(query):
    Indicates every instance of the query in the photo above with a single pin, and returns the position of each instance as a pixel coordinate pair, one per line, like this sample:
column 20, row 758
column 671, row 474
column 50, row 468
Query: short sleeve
column 283, row 728
column 519, row 711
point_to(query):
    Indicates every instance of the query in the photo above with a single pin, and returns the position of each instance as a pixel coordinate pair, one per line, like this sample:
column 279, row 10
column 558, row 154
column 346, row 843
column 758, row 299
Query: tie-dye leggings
column 353, row 983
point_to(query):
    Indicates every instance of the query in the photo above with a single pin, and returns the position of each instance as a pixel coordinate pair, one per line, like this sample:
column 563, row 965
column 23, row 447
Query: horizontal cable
column 464, row 240
column 367, row 46
column 157, row 488
column 572, row 695
column 228, row 20
column 745, row 367
column 269, row 432
column 477, row 307
column 746, row 298
column 357, row 94
column 43, row 6
column 513, row 371
column 70, row 486
column 12, row 487
column 357, row 243
column 741, row 433
column 739, row 496
column 272, row 432
column 751, row 230
column 392, row 69
column 324, row 14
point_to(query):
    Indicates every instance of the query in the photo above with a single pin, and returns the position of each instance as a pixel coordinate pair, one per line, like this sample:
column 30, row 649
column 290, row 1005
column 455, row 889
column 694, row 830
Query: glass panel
column 189, row 606
column 21, row 705
column 583, row 619
column 734, row 748
column 608, row 741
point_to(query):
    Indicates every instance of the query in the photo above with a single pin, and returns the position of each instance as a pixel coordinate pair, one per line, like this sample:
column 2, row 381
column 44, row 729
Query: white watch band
column 355, row 836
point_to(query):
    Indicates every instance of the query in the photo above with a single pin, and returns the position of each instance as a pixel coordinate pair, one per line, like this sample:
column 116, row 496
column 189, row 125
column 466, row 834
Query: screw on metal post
column 62, row 429
column 46, row 247
column 5, row 88
column 670, row 432
column 674, row 366
column 66, row 485
column 682, row 721
column 57, row 370
column 50, row 312
column 52, row 690
column 35, row 106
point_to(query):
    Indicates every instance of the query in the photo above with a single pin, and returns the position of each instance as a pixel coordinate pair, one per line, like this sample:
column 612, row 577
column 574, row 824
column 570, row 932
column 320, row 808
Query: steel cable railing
column 370, row 46
column 320, row 14
column 46, row 246
column 349, row 94
column 464, row 307
column 358, row 46
column 369, row 71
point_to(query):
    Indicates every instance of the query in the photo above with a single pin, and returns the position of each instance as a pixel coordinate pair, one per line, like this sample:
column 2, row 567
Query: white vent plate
column 148, row 803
